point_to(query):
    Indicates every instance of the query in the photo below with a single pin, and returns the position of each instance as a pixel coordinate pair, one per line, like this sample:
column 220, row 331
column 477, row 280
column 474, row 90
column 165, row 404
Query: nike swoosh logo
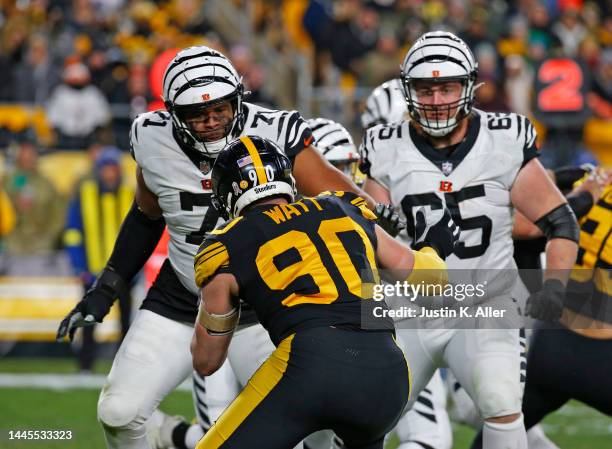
column 308, row 141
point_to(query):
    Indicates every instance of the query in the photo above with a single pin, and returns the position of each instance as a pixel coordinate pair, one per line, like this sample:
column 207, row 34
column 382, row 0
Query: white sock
column 504, row 436
column 193, row 435
column 537, row 439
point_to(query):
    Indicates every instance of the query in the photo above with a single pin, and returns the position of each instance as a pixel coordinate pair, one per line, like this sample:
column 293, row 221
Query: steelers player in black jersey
column 574, row 359
column 302, row 266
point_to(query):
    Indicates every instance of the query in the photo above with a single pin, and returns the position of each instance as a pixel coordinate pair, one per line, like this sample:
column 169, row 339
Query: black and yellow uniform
column 566, row 364
column 302, row 266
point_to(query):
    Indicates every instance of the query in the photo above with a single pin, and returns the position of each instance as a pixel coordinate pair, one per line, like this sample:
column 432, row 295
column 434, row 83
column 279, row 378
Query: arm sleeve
column 298, row 137
column 530, row 150
column 135, row 243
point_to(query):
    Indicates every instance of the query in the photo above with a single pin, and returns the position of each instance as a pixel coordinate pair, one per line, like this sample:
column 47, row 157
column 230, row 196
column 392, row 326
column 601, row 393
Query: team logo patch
column 244, row 161
column 205, row 97
column 447, row 167
column 207, row 184
column 205, row 167
column 446, row 186
column 435, row 73
column 243, row 184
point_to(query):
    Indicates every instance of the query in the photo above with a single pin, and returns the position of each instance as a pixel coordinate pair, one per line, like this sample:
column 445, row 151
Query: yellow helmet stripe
column 259, row 168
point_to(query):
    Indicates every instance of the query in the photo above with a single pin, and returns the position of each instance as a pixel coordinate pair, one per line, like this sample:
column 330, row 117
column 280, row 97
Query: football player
column 175, row 151
column 336, row 144
column 302, row 266
column 386, row 104
column 482, row 166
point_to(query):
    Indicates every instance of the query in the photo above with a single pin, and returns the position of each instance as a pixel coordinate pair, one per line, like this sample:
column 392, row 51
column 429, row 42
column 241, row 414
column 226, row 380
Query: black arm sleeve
column 135, row 243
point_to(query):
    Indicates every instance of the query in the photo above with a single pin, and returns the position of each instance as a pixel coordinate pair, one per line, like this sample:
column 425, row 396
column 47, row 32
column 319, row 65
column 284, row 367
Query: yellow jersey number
column 311, row 263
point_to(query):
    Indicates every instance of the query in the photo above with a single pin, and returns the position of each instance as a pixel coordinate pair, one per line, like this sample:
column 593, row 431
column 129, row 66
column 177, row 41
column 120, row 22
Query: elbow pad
column 560, row 223
column 429, row 268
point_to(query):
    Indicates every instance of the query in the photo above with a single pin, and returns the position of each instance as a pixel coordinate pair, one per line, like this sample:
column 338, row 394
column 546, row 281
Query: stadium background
column 320, row 57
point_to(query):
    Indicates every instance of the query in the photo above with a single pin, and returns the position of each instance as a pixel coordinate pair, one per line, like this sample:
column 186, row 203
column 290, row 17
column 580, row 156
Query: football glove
column 389, row 219
column 94, row 306
column 437, row 230
column 547, row 304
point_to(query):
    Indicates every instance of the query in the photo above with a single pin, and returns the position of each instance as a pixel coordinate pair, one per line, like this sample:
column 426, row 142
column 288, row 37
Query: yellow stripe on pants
column 256, row 390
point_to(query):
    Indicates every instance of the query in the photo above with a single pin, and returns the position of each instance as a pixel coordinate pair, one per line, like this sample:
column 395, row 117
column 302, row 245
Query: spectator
column 92, row 223
column 77, row 109
column 37, row 75
column 569, row 31
column 519, row 84
column 36, row 204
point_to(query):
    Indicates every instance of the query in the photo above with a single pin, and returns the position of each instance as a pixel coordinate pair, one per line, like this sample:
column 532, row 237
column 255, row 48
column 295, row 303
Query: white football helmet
column 439, row 56
column 197, row 78
column 335, row 143
column 386, row 104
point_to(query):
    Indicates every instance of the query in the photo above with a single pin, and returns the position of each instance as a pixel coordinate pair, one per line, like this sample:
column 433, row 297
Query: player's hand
column 94, row 306
column 547, row 304
column 389, row 219
column 436, row 229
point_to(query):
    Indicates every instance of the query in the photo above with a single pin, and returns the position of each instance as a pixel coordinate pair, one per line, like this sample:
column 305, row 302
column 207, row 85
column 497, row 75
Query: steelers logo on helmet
column 441, row 59
column 336, row 144
column 203, row 93
column 258, row 167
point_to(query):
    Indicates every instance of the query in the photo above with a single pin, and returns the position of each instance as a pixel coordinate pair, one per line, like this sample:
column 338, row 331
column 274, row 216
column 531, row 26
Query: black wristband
column 135, row 243
column 580, row 203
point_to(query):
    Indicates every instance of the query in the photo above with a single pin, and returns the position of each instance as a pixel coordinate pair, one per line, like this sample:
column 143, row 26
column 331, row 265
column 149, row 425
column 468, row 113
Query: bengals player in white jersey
column 175, row 150
column 481, row 166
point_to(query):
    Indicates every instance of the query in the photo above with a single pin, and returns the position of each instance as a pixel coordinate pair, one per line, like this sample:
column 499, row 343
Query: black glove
column 94, row 306
column 389, row 219
column 547, row 304
column 437, row 230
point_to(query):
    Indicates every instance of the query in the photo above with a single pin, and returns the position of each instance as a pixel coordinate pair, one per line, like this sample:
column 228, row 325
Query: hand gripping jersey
column 299, row 265
column 473, row 181
column 180, row 176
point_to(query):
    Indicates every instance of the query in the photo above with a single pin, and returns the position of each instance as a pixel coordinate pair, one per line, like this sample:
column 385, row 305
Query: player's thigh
column 269, row 412
column 250, row 348
column 487, row 363
column 153, row 359
column 423, row 349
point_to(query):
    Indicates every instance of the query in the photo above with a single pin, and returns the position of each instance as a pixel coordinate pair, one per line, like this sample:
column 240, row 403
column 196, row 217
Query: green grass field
column 573, row 427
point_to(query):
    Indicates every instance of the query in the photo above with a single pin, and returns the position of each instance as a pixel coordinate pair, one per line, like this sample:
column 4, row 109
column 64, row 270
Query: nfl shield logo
column 447, row 167
column 205, row 167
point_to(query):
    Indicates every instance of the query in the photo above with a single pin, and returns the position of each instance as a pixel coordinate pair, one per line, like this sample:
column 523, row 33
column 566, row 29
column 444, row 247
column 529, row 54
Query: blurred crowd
column 74, row 73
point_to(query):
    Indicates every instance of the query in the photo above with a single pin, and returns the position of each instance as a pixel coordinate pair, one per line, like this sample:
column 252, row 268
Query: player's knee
column 498, row 400
column 117, row 411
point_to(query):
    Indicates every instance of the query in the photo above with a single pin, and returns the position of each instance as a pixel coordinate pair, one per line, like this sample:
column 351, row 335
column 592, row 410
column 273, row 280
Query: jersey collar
column 447, row 163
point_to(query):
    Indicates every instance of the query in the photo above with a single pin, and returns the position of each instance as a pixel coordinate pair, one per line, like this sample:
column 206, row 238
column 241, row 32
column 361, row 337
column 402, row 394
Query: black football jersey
column 300, row 265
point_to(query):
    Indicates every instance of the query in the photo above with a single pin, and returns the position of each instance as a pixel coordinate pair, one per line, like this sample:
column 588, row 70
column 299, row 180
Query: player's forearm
column 208, row 352
column 560, row 258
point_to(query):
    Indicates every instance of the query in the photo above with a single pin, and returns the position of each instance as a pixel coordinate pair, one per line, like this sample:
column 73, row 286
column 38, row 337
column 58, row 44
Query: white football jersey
column 473, row 182
column 180, row 177
column 386, row 104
